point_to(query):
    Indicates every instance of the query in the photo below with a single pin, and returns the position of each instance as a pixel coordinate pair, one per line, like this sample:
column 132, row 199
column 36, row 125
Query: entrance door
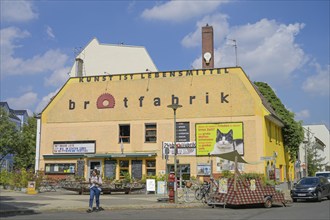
column 137, row 169
column 94, row 165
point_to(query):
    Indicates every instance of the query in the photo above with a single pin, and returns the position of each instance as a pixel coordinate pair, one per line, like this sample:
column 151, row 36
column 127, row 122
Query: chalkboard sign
column 182, row 132
column 80, row 168
column 110, row 168
column 137, row 169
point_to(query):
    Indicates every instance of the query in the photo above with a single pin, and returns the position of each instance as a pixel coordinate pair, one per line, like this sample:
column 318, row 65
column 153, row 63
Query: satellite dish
column 207, row 57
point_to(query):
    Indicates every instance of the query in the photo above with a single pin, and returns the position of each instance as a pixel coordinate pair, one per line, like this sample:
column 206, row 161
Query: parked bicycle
column 207, row 190
column 203, row 192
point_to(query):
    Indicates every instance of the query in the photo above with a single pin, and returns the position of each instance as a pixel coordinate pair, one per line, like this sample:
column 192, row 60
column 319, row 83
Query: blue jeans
column 94, row 191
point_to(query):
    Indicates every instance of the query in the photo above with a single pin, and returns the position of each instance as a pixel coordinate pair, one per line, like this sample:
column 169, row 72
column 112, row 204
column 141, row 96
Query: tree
column 293, row 134
column 25, row 152
column 9, row 135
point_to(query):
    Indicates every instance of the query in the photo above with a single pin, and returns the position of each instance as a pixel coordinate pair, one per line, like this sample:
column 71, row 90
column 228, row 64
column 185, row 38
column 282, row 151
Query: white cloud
column 17, row 11
column 45, row 100
column 58, row 78
column 266, row 50
column 10, row 65
column 26, row 101
column 178, row 11
column 50, row 32
column 319, row 82
column 303, row 114
column 220, row 28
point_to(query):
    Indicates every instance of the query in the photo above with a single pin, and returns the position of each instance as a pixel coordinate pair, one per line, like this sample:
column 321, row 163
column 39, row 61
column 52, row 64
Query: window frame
column 126, row 138
column 147, row 136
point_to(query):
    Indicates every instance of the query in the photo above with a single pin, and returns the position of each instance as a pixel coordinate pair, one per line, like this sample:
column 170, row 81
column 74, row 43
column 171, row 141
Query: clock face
column 207, row 56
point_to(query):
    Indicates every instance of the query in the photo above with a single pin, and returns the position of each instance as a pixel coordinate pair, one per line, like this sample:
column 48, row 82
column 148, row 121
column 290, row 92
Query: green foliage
column 17, row 178
column 226, row 174
column 8, row 135
column 25, row 152
column 293, row 133
column 252, row 176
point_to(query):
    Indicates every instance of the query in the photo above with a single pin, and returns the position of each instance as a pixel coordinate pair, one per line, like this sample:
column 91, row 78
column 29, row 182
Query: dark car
column 311, row 188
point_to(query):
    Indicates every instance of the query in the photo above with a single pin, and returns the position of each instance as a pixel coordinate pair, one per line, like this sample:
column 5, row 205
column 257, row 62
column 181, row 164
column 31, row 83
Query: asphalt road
column 294, row 211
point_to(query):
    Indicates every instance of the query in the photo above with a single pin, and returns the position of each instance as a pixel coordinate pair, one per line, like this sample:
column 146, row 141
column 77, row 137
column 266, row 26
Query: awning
column 63, row 156
column 123, row 155
column 231, row 156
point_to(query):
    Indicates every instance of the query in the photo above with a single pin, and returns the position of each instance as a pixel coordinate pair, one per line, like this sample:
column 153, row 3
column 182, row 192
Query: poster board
column 150, row 185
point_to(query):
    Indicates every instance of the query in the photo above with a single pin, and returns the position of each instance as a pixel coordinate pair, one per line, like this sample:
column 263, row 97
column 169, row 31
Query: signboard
column 220, row 138
column 266, row 158
column 151, row 185
column 31, row 187
column 182, row 132
column 73, row 147
column 184, row 148
column 161, row 187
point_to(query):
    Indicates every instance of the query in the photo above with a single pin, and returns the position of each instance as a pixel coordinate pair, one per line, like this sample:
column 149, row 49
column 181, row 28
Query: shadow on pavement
column 9, row 208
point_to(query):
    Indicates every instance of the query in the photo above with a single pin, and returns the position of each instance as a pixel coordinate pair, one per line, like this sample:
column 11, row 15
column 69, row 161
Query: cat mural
column 225, row 143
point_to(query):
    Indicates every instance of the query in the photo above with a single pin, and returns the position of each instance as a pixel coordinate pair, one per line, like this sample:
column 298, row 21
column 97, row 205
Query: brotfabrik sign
column 108, row 100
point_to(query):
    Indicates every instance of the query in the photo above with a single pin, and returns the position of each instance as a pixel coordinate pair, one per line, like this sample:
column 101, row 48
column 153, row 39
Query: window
column 124, row 133
column 151, row 133
column 123, row 168
column 151, row 167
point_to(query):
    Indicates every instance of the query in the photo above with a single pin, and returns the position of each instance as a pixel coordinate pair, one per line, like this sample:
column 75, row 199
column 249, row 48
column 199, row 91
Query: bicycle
column 203, row 192
column 186, row 194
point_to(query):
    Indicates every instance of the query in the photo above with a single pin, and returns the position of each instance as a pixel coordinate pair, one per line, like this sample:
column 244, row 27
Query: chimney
column 79, row 67
column 207, row 47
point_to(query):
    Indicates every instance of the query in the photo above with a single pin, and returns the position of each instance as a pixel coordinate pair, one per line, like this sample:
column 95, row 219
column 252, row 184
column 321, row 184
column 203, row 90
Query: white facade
column 108, row 59
column 313, row 135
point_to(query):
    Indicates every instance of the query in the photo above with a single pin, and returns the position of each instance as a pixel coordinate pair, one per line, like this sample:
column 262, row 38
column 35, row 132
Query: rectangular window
column 124, row 133
column 123, row 168
column 151, row 133
column 151, row 167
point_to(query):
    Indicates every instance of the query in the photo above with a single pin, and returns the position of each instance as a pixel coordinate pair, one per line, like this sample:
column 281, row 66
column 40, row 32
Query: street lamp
column 175, row 107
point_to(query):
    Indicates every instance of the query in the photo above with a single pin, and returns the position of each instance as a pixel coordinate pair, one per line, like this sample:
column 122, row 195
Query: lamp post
column 175, row 107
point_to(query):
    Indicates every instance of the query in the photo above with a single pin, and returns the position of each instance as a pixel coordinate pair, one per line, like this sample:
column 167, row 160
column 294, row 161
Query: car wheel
column 328, row 197
column 268, row 202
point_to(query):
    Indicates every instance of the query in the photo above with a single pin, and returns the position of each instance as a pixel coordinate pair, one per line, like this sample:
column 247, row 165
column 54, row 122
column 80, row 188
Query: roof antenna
column 235, row 45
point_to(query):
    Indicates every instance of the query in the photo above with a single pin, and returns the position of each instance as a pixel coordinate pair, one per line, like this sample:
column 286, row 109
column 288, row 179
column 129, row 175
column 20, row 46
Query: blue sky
column 283, row 43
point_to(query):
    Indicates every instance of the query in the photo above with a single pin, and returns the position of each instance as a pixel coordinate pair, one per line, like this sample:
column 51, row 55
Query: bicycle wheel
column 198, row 194
column 189, row 195
column 206, row 198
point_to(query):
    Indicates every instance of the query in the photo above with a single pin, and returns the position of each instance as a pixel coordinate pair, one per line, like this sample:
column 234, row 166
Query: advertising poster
column 223, row 185
column 151, row 185
column 203, row 169
column 219, row 138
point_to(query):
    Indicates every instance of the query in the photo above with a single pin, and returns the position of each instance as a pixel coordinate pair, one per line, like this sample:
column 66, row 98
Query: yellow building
column 121, row 124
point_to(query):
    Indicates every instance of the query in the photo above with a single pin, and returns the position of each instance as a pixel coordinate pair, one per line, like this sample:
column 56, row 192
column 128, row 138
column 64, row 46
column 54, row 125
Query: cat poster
column 219, row 138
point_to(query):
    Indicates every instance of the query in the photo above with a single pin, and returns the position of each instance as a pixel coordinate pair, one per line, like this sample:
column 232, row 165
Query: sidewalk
column 16, row 202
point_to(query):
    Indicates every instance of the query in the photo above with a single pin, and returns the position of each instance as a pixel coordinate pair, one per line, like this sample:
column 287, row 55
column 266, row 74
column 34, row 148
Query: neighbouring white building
column 110, row 59
column 314, row 135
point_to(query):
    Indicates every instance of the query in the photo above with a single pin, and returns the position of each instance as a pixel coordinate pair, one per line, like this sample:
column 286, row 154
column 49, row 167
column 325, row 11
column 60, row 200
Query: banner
column 219, row 138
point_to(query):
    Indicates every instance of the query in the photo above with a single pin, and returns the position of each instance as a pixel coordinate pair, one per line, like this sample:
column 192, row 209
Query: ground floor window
column 151, row 167
column 183, row 172
column 123, row 168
